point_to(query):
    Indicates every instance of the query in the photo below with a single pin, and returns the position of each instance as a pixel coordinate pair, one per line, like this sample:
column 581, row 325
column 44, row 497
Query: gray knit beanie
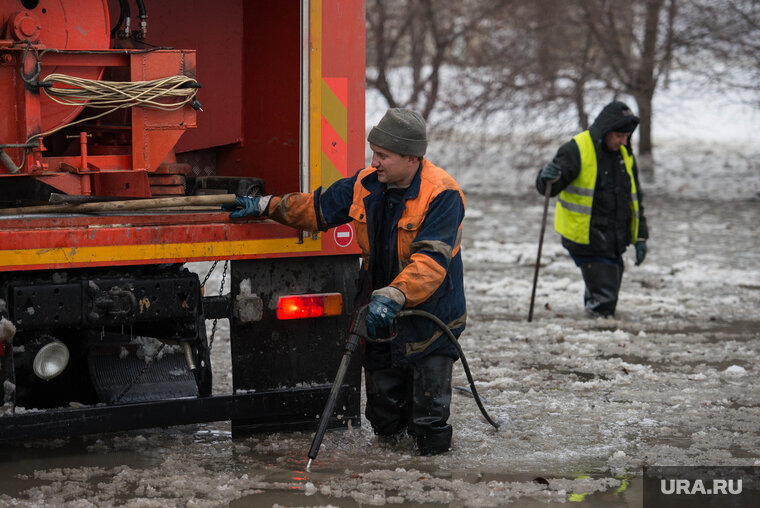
column 401, row 131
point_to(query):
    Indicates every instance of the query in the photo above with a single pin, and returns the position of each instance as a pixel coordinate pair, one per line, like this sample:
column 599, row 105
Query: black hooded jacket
column 610, row 231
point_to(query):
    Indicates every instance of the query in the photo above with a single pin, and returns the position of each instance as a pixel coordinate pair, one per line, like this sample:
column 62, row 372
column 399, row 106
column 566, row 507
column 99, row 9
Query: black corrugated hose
column 358, row 331
column 445, row 329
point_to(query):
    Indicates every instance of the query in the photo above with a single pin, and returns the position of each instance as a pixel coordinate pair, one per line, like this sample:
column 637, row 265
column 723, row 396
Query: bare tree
column 555, row 54
column 712, row 37
column 635, row 40
column 419, row 37
column 727, row 33
column 561, row 52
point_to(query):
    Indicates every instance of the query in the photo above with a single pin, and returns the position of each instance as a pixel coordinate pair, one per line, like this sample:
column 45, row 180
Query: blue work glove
column 380, row 314
column 248, row 206
column 641, row 251
column 550, row 172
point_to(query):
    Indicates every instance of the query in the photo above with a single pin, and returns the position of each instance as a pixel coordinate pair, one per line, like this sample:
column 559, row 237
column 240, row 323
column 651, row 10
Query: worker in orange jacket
column 408, row 216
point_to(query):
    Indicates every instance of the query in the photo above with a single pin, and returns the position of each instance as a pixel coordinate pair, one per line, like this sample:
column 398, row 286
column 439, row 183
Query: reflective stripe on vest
column 572, row 217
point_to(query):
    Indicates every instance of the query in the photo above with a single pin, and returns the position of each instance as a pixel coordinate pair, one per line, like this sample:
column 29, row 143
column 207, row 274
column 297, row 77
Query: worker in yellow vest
column 599, row 211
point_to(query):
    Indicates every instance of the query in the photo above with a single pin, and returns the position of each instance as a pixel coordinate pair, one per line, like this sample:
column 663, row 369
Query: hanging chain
column 221, row 293
column 210, row 271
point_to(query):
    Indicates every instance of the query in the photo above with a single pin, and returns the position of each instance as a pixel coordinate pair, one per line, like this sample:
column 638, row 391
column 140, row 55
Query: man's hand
column 248, row 206
column 383, row 309
column 550, row 172
column 641, row 251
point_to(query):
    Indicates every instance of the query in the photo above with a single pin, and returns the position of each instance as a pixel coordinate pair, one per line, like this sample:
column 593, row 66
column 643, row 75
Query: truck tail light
column 309, row 306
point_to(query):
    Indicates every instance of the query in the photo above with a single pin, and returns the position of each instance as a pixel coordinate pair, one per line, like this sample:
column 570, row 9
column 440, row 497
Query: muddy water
column 585, row 403
column 198, row 466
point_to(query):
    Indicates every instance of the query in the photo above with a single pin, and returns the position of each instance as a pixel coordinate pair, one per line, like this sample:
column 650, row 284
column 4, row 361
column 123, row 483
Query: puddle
column 579, row 397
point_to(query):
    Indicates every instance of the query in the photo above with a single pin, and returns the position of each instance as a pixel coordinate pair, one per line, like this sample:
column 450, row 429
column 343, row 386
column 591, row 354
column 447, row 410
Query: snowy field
column 585, row 403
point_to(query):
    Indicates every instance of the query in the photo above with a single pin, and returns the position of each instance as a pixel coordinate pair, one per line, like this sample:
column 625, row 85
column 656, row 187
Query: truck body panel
column 268, row 145
column 271, row 101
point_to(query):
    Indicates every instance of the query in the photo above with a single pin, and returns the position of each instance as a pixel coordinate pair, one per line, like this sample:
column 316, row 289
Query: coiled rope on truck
column 179, row 90
column 166, row 94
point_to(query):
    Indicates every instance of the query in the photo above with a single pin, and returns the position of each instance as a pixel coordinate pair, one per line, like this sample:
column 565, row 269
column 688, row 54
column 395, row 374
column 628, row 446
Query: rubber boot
column 387, row 406
column 602, row 287
column 431, row 401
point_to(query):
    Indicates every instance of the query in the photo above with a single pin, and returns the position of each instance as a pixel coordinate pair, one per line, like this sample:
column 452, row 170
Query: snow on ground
column 584, row 403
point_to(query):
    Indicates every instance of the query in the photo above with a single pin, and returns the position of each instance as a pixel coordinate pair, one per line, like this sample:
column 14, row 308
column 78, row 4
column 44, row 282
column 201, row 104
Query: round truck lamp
column 50, row 359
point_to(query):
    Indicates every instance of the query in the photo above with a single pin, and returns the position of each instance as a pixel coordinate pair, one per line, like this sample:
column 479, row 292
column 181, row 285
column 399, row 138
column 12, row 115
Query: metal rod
column 358, row 330
column 353, row 342
column 118, row 206
column 547, row 195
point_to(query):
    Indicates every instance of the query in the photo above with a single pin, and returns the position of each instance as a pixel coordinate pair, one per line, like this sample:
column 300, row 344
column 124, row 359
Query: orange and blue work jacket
column 427, row 232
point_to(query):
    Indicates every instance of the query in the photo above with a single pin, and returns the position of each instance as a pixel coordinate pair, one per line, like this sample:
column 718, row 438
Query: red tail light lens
column 309, row 306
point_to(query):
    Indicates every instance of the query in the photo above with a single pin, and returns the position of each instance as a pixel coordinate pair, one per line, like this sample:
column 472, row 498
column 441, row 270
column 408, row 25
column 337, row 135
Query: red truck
column 117, row 119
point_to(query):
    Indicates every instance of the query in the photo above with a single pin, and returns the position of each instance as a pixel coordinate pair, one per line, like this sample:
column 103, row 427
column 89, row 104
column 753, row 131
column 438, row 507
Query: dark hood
column 615, row 117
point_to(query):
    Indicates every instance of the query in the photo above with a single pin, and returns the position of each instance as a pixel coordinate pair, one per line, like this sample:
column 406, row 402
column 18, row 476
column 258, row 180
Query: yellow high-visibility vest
column 572, row 218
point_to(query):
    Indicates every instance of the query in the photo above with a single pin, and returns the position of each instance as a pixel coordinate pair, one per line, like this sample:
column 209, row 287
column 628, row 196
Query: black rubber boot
column 433, row 444
column 387, row 406
column 416, row 398
column 431, row 403
column 602, row 287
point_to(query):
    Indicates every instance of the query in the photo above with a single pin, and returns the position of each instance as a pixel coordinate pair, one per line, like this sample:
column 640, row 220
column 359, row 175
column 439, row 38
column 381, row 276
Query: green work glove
column 641, row 251
column 248, row 206
column 550, row 172
column 380, row 314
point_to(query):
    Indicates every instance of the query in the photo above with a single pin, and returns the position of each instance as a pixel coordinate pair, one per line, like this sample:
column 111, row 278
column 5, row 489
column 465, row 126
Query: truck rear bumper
column 266, row 411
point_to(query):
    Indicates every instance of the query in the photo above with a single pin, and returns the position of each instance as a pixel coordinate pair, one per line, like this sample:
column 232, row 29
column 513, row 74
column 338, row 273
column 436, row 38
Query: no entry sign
column 343, row 235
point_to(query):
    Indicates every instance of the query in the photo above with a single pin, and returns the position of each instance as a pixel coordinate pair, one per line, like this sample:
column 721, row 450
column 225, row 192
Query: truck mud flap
column 131, row 379
column 268, row 353
column 276, row 410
